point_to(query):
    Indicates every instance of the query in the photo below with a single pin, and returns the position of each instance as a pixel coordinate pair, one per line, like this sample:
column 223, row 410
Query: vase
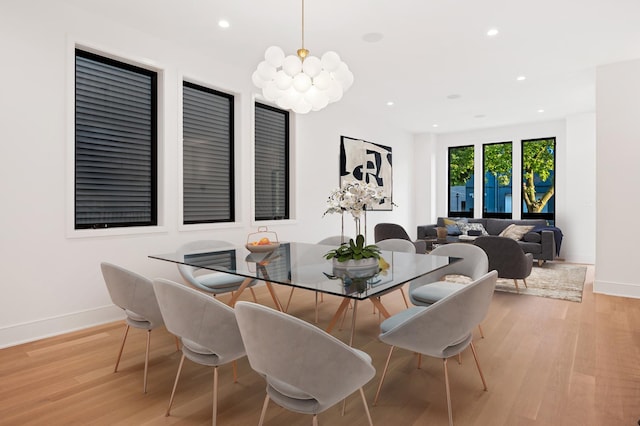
column 356, row 268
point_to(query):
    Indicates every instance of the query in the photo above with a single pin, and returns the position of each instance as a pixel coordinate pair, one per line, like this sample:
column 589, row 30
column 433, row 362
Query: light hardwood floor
column 547, row 362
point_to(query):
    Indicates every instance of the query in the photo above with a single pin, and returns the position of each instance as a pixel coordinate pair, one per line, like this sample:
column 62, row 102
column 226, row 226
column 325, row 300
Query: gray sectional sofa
column 541, row 244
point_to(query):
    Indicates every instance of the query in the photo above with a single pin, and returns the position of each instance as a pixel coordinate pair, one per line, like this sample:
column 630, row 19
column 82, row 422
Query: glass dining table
column 303, row 265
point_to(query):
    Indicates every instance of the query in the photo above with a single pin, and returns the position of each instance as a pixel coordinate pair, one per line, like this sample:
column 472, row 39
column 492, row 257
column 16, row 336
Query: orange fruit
column 264, row 241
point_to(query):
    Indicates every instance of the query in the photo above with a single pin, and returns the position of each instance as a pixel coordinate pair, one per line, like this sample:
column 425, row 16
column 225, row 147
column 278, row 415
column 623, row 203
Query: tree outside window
column 538, row 178
column 498, row 173
column 461, row 170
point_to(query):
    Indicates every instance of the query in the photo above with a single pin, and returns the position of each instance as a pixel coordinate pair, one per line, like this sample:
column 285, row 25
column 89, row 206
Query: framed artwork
column 367, row 162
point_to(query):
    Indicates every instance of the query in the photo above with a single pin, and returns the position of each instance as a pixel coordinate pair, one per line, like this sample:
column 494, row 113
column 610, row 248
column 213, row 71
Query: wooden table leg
column 336, row 316
column 274, row 296
column 378, row 304
column 239, row 291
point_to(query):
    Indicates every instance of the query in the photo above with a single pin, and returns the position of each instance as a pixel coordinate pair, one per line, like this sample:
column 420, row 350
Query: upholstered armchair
column 506, row 257
column 385, row 231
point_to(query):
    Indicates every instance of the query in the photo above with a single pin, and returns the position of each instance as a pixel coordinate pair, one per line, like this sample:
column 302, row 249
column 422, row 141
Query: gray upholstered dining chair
column 430, row 288
column 506, row 256
column 207, row 328
column 386, row 231
column 400, row 245
column 209, row 281
column 306, row 369
column 134, row 294
column 441, row 330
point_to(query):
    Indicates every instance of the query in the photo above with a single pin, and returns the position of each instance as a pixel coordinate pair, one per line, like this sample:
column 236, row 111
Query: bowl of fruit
column 262, row 241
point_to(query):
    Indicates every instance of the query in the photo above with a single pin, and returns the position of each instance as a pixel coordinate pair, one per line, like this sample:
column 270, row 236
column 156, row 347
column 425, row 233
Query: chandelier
column 301, row 82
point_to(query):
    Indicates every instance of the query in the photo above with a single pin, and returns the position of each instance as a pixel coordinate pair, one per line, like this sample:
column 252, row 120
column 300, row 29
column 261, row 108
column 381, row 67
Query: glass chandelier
column 300, row 82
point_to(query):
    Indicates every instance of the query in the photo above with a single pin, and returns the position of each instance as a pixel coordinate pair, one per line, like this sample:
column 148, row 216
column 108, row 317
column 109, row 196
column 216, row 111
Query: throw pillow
column 453, row 230
column 465, row 227
column 448, row 221
column 515, row 232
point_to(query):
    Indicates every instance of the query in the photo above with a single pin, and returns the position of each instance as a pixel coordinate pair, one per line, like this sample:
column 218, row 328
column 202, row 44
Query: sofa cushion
column 516, row 232
column 534, row 248
column 496, row 226
column 453, row 230
column 532, row 237
column 465, row 227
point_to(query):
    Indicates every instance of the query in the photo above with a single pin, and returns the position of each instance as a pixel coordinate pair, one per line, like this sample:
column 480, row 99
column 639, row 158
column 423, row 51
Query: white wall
column 618, row 164
column 50, row 274
column 575, row 135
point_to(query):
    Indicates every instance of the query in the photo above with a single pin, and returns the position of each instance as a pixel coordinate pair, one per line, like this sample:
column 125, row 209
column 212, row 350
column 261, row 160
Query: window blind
column 208, row 185
column 115, row 143
column 271, row 163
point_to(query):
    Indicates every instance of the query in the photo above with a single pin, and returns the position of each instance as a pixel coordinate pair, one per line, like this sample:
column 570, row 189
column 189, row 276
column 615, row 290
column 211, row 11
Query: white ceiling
column 430, row 50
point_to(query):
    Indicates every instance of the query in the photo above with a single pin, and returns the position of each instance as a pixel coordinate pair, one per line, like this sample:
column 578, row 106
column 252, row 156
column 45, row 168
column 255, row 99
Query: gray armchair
column 441, row 330
column 506, row 257
column 385, row 231
column 306, row 369
column 206, row 326
column 134, row 294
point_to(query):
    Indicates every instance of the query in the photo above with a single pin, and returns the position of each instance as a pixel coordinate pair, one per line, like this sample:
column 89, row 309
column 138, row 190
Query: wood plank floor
column 547, row 362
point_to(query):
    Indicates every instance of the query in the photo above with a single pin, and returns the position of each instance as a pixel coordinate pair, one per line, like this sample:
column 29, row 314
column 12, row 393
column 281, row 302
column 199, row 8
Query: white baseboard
column 35, row 330
column 617, row 289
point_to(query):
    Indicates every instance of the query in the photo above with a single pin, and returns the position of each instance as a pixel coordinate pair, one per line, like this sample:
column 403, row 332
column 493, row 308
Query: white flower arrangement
column 354, row 197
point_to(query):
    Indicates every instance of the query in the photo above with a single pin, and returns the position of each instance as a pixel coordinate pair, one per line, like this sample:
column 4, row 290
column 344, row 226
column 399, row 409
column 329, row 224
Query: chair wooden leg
column 366, row 407
column 517, row 288
column 316, row 318
column 264, row 410
column 480, row 330
column 419, row 361
column 124, row 339
column 215, row 394
column 384, row 373
column 175, row 385
column 146, row 362
column 404, row 296
column 177, row 343
column 234, row 364
column 475, row 356
column 253, row 293
column 446, row 385
column 524, row 280
column 314, row 421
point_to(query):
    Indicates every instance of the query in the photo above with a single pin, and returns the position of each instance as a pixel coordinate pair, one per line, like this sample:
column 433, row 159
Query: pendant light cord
column 303, row 24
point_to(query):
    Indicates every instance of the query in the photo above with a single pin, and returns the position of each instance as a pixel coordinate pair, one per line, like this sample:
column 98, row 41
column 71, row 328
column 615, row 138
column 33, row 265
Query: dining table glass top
column 304, row 266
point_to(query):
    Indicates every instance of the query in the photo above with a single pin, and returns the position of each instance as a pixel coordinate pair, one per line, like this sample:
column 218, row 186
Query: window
column 497, row 159
column 461, row 169
column 538, row 179
column 271, row 163
column 115, row 143
column 207, row 133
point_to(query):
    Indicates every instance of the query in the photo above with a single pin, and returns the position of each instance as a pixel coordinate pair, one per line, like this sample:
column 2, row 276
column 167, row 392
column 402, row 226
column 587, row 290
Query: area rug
column 552, row 280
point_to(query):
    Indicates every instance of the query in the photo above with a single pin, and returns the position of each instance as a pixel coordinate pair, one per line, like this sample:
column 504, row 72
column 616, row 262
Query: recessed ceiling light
column 541, row 110
column 390, row 103
column 434, row 125
column 521, row 78
column 492, row 32
column 372, row 37
column 479, row 116
column 223, row 23
column 453, row 96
